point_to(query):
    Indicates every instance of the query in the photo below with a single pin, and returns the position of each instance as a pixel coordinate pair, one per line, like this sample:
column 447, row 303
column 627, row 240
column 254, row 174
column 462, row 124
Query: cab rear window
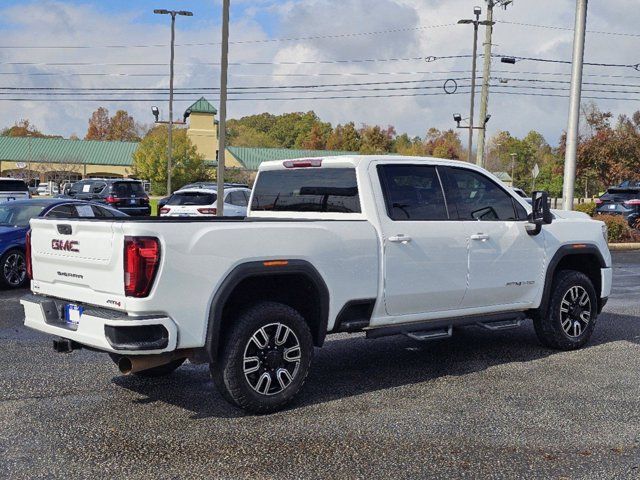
column 13, row 186
column 307, row 190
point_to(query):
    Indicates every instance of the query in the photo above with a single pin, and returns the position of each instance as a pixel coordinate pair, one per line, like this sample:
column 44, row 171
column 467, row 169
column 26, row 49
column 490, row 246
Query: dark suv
column 623, row 201
column 126, row 195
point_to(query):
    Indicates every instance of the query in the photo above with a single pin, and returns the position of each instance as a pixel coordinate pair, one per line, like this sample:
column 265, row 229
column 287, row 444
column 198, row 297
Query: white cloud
column 54, row 22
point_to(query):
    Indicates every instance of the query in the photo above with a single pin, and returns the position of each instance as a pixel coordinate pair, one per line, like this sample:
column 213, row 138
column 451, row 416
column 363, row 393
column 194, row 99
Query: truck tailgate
column 79, row 260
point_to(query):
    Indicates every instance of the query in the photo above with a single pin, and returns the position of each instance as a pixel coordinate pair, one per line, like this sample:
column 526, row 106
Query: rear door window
column 412, row 192
column 237, row 198
column 13, row 186
column 192, row 198
column 307, row 190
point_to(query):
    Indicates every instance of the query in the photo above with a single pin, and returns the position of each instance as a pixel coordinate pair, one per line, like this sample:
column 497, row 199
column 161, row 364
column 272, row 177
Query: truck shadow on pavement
column 348, row 366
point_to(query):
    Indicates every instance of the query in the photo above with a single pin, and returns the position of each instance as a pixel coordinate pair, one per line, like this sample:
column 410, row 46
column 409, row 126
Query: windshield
column 13, row 186
column 192, row 198
column 18, row 215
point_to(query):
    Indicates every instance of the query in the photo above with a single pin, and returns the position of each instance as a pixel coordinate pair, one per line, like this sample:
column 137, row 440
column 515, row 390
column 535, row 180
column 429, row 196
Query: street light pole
column 477, row 11
column 170, row 137
column 173, row 14
column 486, row 75
column 574, row 106
column 222, row 142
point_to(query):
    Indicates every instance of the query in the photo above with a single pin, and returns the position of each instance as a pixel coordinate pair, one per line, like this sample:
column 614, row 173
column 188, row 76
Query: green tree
column 344, row 137
column 150, row 160
column 376, row 140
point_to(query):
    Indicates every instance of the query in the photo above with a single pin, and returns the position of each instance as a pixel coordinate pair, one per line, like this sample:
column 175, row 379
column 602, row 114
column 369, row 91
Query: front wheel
column 13, row 269
column 571, row 316
column 265, row 358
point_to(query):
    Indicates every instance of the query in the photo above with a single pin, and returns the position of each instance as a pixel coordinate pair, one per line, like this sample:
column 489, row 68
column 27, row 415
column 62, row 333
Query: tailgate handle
column 64, row 229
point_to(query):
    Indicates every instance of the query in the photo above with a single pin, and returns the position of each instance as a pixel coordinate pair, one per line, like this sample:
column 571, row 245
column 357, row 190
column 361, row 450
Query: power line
column 237, row 42
column 557, row 27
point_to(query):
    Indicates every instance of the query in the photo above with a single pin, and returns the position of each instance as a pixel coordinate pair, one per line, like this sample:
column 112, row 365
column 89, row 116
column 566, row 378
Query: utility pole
column 513, row 169
column 222, row 143
column 574, row 105
column 173, row 14
column 476, row 11
column 486, row 75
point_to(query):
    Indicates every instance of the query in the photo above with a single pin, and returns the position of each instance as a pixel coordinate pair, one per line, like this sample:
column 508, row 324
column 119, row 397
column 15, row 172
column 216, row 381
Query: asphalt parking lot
column 480, row 405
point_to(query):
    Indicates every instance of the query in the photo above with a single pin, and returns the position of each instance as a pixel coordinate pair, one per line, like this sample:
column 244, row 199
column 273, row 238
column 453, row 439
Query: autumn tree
column 99, row 125
column 150, row 160
column 122, row 128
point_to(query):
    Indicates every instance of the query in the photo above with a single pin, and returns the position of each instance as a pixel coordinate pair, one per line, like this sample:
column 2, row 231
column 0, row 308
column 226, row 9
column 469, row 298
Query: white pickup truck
column 377, row 244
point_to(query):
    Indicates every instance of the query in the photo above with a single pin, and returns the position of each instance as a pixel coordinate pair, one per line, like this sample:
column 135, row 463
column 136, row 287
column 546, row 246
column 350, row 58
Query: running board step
column 506, row 324
column 430, row 334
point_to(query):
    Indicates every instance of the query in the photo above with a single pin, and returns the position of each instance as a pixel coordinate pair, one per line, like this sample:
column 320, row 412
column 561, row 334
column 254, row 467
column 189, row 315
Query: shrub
column 588, row 208
column 619, row 230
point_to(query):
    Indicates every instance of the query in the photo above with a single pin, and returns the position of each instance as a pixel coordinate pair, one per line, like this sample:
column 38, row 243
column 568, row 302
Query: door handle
column 400, row 238
column 483, row 237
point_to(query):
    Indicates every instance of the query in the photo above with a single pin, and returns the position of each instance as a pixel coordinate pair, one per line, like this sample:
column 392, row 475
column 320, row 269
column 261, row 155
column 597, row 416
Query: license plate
column 133, row 202
column 612, row 207
column 72, row 313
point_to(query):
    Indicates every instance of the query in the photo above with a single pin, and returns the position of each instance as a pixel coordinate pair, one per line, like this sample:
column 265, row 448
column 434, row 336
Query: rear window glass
column 192, row 198
column 620, row 195
column 307, row 190
column 13, row 186
column 126, row 189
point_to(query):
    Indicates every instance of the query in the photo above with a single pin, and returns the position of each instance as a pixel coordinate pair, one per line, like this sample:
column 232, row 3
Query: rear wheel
column 265, row 358
column 572, row 312
column 154, row 372
column 13, row 269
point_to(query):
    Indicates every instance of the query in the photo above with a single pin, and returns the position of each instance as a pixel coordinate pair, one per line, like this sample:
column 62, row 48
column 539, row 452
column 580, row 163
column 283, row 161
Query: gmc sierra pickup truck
column 375, row 244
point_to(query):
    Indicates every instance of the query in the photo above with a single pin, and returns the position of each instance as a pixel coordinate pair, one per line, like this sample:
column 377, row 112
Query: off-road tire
column 154, row 372
column 228, row 372
column 548, row 324
column 13, row 254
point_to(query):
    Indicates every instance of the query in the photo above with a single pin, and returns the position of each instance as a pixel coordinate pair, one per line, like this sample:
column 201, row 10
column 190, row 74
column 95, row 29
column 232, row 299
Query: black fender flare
column 563, row 252
column 257, row 269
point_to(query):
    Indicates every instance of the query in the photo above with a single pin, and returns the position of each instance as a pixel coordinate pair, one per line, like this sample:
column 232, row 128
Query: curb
column 620, row 247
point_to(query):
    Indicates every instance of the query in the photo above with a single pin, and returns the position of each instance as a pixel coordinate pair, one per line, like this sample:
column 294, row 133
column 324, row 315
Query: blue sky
column 417, row 33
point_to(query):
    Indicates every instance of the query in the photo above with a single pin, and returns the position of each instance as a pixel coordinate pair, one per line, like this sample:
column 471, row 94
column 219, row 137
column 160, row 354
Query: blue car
column 14, row 225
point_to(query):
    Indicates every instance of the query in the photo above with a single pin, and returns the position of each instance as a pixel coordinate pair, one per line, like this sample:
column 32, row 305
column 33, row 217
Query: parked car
column 623, row 201
column 126, row 195
column 195, row 202
column 207, row 184
column 48, row 189
column 13, row 189
column 14, row 225
column 384, row 245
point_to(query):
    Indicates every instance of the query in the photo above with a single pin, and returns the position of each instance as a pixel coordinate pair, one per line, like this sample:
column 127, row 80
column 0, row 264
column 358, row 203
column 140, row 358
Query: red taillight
column 27, row 254
column 598, row 201
column 633, row 202
column 112, row 199
column 165, row 210
column 208, row 211
column 141, row 260
column 312, row 162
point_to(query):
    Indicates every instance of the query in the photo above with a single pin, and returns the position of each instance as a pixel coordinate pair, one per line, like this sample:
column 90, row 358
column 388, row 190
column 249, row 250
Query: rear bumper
column 102, row 329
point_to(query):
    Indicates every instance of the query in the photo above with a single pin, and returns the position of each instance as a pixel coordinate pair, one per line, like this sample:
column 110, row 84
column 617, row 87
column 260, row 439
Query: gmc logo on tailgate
column 66, row 245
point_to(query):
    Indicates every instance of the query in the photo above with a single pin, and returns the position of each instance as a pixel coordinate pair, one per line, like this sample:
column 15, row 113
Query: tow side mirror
column 540, row 214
